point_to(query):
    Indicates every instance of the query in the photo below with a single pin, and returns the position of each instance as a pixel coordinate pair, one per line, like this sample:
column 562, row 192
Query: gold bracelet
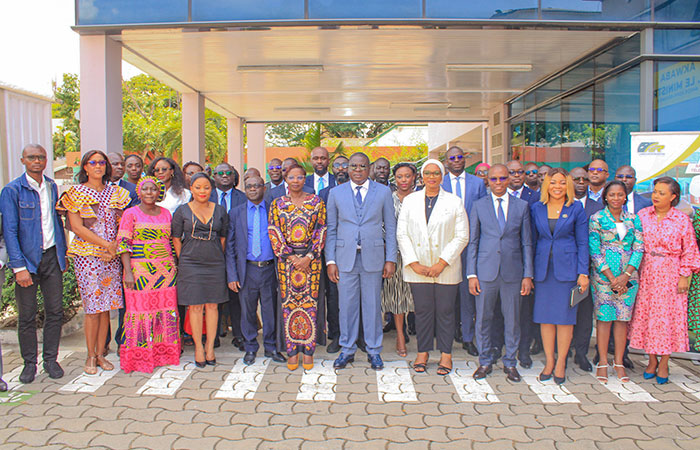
column 628, row 274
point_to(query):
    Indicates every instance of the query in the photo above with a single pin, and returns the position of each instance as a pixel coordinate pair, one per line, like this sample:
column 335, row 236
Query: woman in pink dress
column 659, row 323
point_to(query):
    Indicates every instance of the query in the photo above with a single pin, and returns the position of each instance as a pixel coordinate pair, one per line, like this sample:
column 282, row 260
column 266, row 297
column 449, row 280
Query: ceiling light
column 282, row 68
column 420, row 106
column 488, row 67
column 303, row 108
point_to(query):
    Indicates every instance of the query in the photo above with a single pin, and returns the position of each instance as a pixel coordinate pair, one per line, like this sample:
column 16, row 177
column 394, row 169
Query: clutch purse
column 577, row 296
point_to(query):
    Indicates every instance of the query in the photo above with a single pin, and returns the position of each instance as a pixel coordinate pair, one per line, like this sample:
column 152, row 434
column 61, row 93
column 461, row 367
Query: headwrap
column 482, row 165
column 433, row 161
column 154, row 180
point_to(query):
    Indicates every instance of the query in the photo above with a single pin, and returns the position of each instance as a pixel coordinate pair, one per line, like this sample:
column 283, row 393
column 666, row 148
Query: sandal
column 443, row 370
column 420, row 367
column 401, row 352
column 623, row 379
column 602, row 379
column 106, row 365
column 91, row 365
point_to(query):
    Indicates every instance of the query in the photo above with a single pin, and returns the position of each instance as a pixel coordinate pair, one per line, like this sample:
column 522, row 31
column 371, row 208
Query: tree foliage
column 293, row 134
column 67, row 95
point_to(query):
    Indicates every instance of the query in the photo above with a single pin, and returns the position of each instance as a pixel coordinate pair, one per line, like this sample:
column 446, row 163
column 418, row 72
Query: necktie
column 458, row 188
column 501, row 215
column 256, row 232
column 358, row 196
column 223, row 201
column 319, row 185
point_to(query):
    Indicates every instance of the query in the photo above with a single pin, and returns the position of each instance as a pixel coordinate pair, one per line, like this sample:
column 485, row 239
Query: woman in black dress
column 199, row 231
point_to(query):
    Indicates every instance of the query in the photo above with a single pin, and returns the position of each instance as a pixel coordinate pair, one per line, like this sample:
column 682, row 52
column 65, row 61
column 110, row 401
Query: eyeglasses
column 161, row 169
column 94, row 163
column 483, row 173
column 580, row 179
column 358, row 166
column 456, row 157
column 35, row 157
column 531, row 172
column 516, row 172
column 427, row 173
column 254, row 186
column 495, row 179
column 340, row 165
column 221, row 173
column 622, row 176
column 597, row 169
column 274, row 167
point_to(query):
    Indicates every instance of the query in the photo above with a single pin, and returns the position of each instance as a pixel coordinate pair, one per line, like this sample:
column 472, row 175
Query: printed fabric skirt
column 99, row 283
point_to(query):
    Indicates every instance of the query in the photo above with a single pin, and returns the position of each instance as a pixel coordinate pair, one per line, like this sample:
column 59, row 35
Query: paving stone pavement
column 268, row 407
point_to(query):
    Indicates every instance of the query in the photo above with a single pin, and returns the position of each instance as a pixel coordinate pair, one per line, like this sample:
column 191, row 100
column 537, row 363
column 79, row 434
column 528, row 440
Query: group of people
column 480, row 259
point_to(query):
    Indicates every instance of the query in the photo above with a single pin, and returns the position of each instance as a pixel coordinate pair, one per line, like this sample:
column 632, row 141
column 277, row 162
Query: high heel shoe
column 648, row 376
column 292, row 365
column 559, row 380
column 307, row 366
column 211, row 362
column 624, row 379
column 200, row 364
column 661, row 380
column 545, row 376
column 602, row 379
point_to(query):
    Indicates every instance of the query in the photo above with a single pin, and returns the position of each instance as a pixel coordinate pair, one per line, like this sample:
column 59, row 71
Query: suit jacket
column 268, row 185
column 568, row 244
column 237, row 242
column 640, row 202
column 444, row 236
column 373, row 228
column 237, row 197
column 310, row 181
column 529, row 195
column 131, row 187
column 593, row 206
column 474, row 189
column 280, row 191
column 492, row 251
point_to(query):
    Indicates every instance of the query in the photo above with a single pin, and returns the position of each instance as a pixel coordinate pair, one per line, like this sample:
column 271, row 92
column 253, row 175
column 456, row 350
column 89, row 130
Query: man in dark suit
column 584, row 317
column 635, row 202
column 470, row 189
column 274, row 171
column 499, row 264
column 229, row 197
column 532, row 176
column 250, row 268
column 282, row 189
column 320, row 179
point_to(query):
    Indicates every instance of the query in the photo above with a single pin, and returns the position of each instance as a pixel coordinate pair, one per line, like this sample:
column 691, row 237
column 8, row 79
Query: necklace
column 431, row 200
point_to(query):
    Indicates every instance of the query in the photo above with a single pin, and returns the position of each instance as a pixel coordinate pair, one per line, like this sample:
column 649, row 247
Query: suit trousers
column 486, row 301
column 234, row 310
column 332, row 311
column 466, row 305
column 435, row 315
column 528, row 330
column 260, row 282
column 360, row 291
column 584, row 326
column 49, row 277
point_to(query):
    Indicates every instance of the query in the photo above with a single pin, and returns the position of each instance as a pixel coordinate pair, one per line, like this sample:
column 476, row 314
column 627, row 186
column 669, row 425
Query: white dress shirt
column 630, row 203
column 228, row 197
column 453, row 181
column 273, row 185
column 504, row 203
column 517, row 193
column 582, row 200
column 47, row 225
column 326, row 181
column 364, row 188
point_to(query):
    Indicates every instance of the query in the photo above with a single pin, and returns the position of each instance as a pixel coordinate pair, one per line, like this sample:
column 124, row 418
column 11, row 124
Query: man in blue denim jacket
column 36, row 245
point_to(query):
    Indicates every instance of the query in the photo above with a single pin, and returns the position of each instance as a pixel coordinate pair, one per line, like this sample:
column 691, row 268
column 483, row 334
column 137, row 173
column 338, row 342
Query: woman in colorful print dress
column 94, row 208
column 151, row 320
column 298, row 233
column 659, row 323
column 616, row 248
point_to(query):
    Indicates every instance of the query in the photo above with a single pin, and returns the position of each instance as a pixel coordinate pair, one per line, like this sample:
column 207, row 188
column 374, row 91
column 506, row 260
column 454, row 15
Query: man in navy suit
column 250, row 268
column 360, row 250
column 229, row 197
column 320, row 179
column 470, row 189
column 635, row 202
column 282, row 189
column 584, row 317
column 499, row 264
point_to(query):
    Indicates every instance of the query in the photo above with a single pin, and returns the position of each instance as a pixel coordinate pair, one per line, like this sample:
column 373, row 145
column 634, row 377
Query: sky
column 38, row 44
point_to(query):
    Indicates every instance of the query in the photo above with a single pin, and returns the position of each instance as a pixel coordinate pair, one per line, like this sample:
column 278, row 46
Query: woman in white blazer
column 432, row 231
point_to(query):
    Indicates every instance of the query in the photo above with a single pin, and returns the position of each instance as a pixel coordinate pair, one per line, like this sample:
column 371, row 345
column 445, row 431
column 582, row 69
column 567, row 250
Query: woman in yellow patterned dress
column 297, row 229
column 94, row 208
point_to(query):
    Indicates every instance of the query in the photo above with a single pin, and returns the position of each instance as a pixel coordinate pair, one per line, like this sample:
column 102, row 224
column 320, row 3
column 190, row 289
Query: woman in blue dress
column 560, row 235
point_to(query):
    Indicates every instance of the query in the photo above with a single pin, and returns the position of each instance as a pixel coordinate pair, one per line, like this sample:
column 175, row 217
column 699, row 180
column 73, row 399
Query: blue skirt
column 552, row 301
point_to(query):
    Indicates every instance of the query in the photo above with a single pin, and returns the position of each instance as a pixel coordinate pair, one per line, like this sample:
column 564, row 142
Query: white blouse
column 172, row 201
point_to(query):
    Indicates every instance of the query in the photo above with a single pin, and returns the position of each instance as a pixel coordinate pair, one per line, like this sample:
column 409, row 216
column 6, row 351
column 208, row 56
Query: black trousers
column 234, row 310
column 332, row 306
column 260, row 283
column 529, row 331
column 49, row 277
column 584, row 326
column 435, row 315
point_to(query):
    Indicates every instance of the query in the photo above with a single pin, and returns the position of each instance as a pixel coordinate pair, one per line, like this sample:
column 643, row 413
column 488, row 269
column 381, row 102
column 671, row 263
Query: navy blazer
column 280, row 191
column 529, row 195
column 237, row 198
column 474, row 189
column 237, row 242
column 640, row 202
column 310, row 181
column 492, row 251
column 592, row 207
column 568, row 245
column 131, row 187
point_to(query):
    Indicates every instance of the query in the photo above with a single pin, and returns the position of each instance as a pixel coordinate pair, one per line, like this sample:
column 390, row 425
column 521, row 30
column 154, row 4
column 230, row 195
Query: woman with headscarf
column 432, row 231
column 151, row 329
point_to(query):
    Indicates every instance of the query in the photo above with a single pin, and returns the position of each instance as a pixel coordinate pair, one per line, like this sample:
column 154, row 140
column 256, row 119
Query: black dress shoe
column 334, row 346
column 512, row 374
column 627, row 362
column 53, row 369
column 390, row 325
column 28, row 373
column 596, row 358
column 536, row 348
column 482, row 371
column 237, row 342
column 411, row 327
column 249, row 358
column 3, row 385
column 583, row 363
column 375, row 362
column 458, row 337
column 470, row 348
column 362, row 345
column 217, row 342
column 526, row 363
column 343, row 360
column 276, row 356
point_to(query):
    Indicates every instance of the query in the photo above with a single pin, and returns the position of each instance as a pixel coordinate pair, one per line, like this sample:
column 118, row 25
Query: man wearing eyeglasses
column 36, row 246
column 282, row 189
column 499, row 265
column 229, row 197
column 635, row 202
column 320, row 179
column 597, row 176
column 274, row 171
column 470, row 189
column 532, row 178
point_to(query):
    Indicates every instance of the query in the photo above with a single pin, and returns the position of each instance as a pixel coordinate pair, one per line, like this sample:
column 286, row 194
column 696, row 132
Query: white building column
column 100, row 94
column 193, row 142
column 646, row 82
column 235, row 147
column 256, row 146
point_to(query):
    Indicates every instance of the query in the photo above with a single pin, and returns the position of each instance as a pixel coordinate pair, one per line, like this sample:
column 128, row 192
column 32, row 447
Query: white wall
column 440, row 135
column 24, row 119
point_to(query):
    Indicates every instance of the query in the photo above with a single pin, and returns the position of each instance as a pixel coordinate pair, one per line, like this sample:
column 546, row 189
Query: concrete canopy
column 351, row 73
